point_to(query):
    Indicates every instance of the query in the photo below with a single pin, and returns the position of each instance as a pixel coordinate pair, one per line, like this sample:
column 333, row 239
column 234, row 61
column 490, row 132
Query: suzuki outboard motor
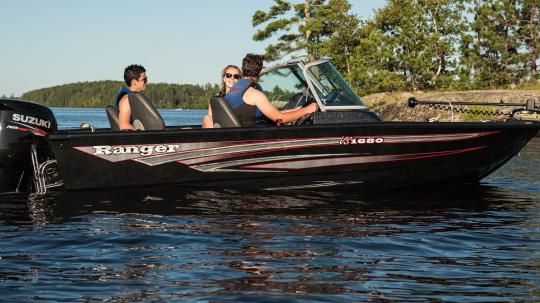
column 23, row 127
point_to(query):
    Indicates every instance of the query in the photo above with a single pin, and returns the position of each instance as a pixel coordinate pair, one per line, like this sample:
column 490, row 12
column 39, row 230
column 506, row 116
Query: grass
column 529, row 85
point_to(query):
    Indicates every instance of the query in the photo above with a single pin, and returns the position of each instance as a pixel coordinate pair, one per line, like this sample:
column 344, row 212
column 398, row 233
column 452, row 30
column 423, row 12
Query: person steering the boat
column 249, row 102
column 136, row 81
column 229, row 76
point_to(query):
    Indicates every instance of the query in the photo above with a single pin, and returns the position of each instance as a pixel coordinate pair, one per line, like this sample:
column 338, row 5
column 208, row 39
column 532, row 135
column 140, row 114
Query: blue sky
column 53, row 42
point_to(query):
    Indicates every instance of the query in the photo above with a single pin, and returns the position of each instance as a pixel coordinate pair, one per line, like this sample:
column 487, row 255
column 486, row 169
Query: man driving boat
column 249, row 102
column 136, row 80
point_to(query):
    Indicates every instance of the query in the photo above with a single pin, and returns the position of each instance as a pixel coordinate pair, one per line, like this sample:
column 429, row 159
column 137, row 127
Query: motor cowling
column 22, row 124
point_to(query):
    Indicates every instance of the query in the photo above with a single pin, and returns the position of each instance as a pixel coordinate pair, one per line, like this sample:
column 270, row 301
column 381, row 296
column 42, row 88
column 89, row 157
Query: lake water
column 73, row 117
column 457, row 244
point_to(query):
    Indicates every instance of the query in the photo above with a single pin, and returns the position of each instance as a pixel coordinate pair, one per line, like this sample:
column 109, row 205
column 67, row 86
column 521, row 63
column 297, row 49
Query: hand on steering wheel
column 308, row 118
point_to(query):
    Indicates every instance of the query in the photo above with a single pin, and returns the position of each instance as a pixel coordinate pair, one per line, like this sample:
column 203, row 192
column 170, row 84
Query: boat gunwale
column 180, row 130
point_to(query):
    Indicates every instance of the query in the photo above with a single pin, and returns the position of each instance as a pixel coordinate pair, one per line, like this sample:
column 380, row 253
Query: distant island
column 102, row 93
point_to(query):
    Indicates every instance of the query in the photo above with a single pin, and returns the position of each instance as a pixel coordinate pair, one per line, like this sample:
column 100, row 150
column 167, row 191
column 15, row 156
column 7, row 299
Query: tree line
column 411, row 44
column 103, row 93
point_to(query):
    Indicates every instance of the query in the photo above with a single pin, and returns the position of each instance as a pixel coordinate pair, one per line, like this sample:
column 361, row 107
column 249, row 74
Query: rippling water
column 456, row 244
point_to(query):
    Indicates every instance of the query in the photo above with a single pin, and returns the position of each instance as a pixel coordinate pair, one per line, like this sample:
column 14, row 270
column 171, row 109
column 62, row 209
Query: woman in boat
column 229, row 76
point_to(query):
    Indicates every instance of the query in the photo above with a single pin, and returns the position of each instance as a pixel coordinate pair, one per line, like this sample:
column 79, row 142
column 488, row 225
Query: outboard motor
column 23, row 127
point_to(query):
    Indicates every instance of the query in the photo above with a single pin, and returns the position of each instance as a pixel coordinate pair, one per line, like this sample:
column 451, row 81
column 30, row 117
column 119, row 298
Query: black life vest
column 247, row 114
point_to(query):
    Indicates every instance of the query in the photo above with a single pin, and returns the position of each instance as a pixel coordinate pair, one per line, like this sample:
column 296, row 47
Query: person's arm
column 208, row 121
column 259, row 99
column 124, row 114
column 290, row 110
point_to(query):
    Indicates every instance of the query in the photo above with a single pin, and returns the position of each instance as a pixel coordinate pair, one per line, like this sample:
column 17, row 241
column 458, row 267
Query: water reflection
column 217, row 244
column 178, row 201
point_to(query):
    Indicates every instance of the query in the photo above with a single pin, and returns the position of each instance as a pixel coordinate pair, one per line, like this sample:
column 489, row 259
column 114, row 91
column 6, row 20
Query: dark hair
column 133, row 72
column 222, row 88
column 252, row 65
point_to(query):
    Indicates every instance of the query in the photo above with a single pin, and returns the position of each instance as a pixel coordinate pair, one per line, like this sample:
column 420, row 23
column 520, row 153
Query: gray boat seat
column 222, row 113
column 144, row 115
column 113, row 117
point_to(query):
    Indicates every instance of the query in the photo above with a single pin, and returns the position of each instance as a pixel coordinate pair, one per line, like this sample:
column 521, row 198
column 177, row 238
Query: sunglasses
column 235, row 76
column 145, row 80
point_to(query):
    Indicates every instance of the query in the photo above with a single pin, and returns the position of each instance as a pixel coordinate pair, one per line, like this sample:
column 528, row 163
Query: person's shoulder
column 252, row 90
column 253, row 95
column 124, row 98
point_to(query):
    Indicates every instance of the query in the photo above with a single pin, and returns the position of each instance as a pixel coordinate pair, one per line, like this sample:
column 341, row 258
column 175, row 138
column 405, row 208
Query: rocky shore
column 393, row 106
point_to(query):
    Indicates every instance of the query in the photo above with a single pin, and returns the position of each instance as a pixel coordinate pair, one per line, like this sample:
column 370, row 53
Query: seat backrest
column 113, row 117
column 143, row 113
column 222, row 113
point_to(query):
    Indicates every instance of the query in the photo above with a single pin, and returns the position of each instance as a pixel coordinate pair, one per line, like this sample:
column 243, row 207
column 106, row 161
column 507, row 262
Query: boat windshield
column 285, row 87
column 330, row 86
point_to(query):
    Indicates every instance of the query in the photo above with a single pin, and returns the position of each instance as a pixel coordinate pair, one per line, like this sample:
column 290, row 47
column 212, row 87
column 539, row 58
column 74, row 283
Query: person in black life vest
column 136, row 80
column 250, row 103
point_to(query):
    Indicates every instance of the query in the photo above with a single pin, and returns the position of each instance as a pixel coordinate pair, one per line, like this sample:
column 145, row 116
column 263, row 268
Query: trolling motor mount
column 530, row 108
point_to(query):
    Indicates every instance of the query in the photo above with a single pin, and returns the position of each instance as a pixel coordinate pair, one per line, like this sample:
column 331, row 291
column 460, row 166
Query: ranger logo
column 143, row 150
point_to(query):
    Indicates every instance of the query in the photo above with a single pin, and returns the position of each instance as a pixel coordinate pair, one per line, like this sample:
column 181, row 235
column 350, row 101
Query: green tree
column 102, row 93
column 492, row 53
column 530, row 33
column 344, row 36
column 301, row 28
column 410, row 44
column 376, row 66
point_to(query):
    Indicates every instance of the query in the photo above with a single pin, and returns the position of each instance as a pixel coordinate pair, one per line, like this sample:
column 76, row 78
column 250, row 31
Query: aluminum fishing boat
column 343, row 144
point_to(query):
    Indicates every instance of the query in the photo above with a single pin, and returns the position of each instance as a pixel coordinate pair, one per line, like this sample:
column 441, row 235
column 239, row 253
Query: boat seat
column 222, row 113
column 143, row 113
column 113, row 117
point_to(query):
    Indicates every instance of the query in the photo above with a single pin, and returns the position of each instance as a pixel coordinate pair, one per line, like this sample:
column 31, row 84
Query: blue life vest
column 124, row 91
column 235, row 98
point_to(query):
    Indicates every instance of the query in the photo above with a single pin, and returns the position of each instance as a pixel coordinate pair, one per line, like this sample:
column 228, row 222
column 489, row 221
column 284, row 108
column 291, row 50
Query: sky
column 54, row 42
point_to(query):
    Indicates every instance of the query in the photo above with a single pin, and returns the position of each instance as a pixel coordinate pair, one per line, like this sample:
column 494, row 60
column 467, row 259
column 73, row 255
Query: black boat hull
column 365, row 156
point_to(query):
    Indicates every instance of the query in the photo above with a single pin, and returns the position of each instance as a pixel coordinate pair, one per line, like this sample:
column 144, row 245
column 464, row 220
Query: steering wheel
column 306, row 119
column 296, row 100
column 333, row 95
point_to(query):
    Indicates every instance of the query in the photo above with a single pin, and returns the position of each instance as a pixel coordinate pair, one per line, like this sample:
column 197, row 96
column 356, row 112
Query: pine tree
column 412, row 40
column 492, row 49
column 530, row 33
column 344, row 37
column 301, row 28
column 375, row 64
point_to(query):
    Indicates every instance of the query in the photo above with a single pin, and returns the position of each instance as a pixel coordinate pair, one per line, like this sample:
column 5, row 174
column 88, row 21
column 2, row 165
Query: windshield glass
column 286, row 87
column 332, row 89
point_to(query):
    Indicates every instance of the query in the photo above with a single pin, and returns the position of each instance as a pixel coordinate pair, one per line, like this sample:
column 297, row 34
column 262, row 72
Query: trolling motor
column 524, row 111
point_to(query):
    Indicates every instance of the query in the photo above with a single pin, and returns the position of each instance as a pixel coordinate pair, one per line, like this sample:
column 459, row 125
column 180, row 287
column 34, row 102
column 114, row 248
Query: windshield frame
column 313, row 83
